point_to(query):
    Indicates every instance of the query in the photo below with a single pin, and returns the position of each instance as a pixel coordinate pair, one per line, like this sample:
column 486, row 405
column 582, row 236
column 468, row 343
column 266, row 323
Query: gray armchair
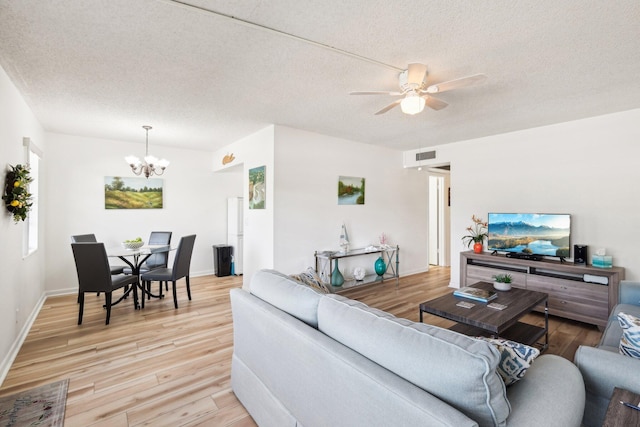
column 602, row 367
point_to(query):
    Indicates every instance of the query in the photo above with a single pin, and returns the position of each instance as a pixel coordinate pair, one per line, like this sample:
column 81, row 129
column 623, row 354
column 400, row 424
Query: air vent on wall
column 425, row 155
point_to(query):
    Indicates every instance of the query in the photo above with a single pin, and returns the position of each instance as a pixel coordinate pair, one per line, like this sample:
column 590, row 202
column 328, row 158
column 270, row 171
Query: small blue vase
column 380, row 266
column 337, row 279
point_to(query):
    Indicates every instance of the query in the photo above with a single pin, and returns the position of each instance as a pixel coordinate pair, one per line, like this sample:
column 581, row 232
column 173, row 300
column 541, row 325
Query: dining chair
column 91, row 238
column 181, row 265
column 94, row 274
column 157, row 260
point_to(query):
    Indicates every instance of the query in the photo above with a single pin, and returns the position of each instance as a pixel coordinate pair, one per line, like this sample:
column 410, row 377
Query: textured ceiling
column 104, row 68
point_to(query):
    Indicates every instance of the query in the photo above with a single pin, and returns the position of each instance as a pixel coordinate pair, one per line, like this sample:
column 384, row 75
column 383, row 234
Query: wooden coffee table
column 481, row 320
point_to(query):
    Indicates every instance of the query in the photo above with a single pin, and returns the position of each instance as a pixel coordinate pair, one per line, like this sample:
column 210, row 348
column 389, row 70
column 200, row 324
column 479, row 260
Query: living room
column 583, row 164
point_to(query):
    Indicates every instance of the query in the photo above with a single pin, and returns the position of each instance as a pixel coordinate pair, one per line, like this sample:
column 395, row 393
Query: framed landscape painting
column 350, row 190
column 257, row 188
column 132, row 193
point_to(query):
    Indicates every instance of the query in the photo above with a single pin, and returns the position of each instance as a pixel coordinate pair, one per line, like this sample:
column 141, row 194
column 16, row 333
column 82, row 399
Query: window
column 30, row 236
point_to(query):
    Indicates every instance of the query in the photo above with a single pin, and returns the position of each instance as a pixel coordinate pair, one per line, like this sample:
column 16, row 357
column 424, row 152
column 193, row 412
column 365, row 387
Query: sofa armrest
column 602, row 371
column 552, row 385
column 629, row 292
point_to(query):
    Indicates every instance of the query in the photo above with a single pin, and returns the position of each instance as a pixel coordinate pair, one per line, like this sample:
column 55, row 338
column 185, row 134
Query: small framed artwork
column 350, row 190
column 257, row 188
column 132, row 193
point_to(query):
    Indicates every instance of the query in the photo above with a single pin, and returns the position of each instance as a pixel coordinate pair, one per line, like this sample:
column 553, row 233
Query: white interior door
column 439, row 222
column 435, row 188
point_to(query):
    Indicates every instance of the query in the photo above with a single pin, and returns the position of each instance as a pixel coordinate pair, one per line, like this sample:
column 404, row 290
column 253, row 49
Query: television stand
column 578, row 292
column 520, row 255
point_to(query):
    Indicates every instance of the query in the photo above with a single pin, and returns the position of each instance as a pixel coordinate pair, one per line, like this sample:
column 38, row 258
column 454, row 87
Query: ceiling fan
column 416, row 94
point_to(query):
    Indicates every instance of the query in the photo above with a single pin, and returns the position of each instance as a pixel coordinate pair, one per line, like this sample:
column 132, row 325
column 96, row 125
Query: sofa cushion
column 281, row 291
column 610, row 340
column 457, row 369
column 515, row 358
column 630, row 341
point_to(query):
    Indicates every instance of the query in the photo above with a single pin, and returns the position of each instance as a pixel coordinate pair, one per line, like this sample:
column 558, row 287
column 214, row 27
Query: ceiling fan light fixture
column 412, row 103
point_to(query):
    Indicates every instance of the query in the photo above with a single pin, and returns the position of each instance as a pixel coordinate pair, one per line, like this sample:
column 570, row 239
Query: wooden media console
column 578, row 292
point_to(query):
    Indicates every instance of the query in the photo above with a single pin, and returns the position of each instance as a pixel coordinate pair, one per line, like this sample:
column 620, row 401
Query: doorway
column 439, row 216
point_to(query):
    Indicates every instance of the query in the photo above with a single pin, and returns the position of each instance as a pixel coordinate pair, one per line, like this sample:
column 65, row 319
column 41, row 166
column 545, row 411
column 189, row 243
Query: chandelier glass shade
column 150, row 165
column 412, row 103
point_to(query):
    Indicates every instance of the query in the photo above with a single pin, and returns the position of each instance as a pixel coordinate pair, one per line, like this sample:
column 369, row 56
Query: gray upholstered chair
column 94, row 275
column 91, row 238
column 181, row 265
column 603, row 367
column 157, row 260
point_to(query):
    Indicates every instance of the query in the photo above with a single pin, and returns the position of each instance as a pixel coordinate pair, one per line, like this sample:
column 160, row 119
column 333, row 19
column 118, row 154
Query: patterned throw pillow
column 630, row 341
column 310, row 278
column 515, row 358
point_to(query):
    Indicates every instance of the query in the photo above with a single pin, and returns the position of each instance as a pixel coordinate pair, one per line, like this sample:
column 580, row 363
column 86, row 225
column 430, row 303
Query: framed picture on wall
column 257, row 188
column 350, row 190
column 132, row 193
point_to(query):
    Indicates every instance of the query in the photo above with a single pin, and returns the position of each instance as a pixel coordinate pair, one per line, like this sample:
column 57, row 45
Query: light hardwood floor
column 161, row 366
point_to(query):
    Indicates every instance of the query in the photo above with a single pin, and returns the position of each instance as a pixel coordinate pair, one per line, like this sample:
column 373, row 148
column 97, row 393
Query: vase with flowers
column 477, row 233
column 17, row 198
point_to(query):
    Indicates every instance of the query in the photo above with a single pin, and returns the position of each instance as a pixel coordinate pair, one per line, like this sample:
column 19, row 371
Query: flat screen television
column 530, row 235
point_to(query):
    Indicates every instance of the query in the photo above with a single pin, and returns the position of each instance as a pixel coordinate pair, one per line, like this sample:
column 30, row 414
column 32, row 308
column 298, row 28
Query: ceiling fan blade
column 416, row 74
column 377, row 93
column 389, row 107
column 455, row 84
column 434, row 103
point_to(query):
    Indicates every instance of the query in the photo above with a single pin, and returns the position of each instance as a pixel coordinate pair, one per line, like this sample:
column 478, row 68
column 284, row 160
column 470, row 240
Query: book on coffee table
column 475, row 294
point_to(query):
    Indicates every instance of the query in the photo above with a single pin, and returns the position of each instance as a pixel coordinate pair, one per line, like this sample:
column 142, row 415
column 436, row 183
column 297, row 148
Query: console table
column 391, row 256
column 579, row 292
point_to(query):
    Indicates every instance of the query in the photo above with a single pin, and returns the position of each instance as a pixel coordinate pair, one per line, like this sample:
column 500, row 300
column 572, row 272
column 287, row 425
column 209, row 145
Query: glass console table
column 390, row 255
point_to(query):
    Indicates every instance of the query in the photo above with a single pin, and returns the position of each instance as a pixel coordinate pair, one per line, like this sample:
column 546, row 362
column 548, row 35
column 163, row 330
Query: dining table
column 134, row 258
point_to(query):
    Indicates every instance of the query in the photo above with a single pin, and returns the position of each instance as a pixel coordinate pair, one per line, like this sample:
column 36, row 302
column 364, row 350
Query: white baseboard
column 17, row 344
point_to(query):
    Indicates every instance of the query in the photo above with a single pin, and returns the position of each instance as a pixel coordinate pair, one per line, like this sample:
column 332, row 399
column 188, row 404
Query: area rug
column 40, row 406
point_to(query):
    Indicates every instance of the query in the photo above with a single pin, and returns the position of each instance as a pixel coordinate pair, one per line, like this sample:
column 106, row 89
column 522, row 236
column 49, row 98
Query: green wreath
column 16, row 197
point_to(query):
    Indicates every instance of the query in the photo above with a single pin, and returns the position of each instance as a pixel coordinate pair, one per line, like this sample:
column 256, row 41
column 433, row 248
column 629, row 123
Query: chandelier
column 150, row 164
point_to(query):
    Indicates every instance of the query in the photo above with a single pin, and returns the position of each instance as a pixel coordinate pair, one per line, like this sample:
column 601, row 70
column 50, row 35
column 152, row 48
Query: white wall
column 254, row 151
column 195, row 202
column 23, row 282
column 588, row 168
column 308, row 217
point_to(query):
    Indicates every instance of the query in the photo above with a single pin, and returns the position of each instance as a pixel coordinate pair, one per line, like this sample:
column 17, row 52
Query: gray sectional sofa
column 306, row 359
column 603, row 367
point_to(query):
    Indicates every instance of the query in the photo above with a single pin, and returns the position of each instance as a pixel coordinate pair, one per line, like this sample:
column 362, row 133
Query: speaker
column 580, row 254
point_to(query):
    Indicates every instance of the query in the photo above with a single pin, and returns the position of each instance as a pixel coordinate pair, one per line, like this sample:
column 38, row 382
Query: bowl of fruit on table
column 133, row 244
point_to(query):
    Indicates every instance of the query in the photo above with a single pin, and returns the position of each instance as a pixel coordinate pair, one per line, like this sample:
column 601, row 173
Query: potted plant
column 477, row 233
column 502, row 282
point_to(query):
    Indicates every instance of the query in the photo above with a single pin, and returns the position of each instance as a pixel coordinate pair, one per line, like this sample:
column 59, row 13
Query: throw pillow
column 515, row 358
column 310, row 278
column 630, row 341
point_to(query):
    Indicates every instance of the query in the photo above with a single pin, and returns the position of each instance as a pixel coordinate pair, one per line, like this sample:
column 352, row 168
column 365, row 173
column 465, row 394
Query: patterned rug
column 41, row 406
